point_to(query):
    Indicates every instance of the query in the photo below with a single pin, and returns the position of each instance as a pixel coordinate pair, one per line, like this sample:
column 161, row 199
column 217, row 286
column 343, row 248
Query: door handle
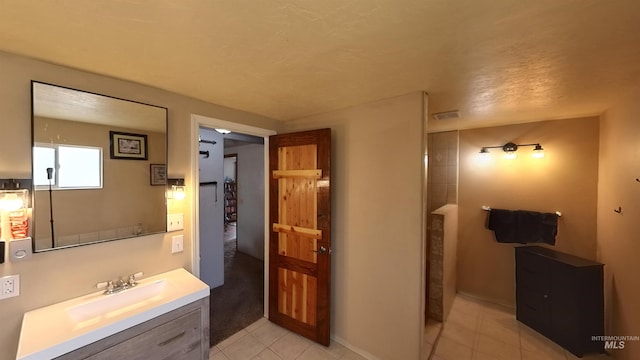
column 322, row 250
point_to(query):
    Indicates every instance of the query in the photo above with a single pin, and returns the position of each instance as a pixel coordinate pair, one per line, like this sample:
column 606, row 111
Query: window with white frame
column 74, row 167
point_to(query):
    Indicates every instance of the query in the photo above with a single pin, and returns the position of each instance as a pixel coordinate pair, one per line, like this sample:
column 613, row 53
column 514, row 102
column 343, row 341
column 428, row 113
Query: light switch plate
column 177, row 244
column 175, row 222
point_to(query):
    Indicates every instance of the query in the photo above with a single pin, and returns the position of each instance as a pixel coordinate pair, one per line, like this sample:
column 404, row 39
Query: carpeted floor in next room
column 239, row 302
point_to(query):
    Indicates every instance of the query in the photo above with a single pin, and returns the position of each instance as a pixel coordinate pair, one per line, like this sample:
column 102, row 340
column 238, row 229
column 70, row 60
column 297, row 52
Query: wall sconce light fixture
column 538, row 152
column 511, row 148
column 176, row 189
column 14, row 202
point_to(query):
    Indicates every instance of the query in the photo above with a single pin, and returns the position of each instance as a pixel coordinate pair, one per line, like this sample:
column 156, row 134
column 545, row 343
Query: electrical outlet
column 177, row 244
column 175, row 222
column 9, row 286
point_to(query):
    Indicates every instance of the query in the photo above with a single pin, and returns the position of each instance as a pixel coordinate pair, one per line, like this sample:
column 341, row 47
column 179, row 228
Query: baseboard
column 490, row 301
column 355, row 349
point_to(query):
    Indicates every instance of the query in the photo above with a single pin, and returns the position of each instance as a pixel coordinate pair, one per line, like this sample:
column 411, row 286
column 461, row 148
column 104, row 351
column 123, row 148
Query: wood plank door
column 300, row 239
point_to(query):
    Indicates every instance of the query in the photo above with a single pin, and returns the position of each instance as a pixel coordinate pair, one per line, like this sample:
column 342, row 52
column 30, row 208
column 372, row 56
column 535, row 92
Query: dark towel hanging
column 503, row 224
column 536, row 227
column 549, row 228
column 524, row 227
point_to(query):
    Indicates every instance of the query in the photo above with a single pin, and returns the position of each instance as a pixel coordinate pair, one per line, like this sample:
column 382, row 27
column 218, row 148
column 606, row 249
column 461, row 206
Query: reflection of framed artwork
column 158, row 174
column 128, row 146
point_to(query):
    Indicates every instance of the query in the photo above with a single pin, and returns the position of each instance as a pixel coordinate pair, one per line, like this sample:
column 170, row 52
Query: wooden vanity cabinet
column 561, row 296
column 180, row 334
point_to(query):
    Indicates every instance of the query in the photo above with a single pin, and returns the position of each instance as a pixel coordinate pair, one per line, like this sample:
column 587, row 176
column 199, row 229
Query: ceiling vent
column 454, row 114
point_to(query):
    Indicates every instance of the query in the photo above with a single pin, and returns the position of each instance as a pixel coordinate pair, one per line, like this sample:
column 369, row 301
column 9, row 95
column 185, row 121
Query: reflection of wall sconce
column 176, row 189
column 511, row 148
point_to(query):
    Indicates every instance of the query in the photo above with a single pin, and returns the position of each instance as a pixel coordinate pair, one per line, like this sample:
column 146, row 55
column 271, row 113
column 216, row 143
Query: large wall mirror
column 99, row 168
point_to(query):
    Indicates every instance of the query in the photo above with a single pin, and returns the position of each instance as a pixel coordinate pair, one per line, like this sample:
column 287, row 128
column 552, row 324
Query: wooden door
column 300, row 239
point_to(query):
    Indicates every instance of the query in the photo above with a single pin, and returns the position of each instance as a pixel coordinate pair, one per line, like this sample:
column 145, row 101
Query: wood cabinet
column 561, row 297
column 180, row 334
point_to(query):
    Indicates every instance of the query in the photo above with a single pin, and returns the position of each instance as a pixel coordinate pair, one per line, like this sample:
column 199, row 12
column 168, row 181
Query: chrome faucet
column 132, row 279
column 115, row 286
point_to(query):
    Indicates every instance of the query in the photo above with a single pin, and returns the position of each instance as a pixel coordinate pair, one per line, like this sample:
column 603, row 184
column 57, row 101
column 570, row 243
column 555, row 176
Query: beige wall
column 565, row 180
column 62, row 274
column 377, row 262
column 618, row 245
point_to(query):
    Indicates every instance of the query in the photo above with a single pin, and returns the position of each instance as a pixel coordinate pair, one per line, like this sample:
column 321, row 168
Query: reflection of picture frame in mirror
column 158, row 174
column 128, row 146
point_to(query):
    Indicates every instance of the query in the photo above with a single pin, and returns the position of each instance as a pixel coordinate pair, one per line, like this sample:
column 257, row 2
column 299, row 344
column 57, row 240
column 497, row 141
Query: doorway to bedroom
column 231, row 228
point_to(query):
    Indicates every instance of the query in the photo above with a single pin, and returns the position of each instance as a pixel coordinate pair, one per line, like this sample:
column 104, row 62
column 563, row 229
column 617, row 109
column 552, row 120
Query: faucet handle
column 108, row 285
column 133, row 277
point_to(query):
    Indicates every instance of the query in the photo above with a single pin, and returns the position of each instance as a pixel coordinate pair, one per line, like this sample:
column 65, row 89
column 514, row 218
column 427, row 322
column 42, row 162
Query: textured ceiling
column 497, row 61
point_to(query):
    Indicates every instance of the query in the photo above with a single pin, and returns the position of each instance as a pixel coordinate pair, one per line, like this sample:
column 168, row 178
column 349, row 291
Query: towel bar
column 488, row 208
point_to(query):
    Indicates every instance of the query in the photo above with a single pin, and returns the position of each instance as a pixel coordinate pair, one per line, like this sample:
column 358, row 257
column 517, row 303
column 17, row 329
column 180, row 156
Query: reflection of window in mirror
column 75, row 167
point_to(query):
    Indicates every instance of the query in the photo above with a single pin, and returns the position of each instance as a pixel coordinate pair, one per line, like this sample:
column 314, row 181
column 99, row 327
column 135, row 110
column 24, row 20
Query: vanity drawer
column 177, row 339
column 182, row 334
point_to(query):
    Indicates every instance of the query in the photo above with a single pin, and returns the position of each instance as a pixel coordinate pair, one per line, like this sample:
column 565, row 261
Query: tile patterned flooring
column 266, row 341
column 477, row 330
column 474, row 330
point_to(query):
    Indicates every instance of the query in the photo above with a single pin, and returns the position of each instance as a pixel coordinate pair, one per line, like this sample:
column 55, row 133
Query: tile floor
column 482, row 331
column 265, row 340
column 474, row 330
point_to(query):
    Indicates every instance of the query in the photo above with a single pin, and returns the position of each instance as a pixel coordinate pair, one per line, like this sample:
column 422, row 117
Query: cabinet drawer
column 532, row 273
column 176, row 339
column 533, row 279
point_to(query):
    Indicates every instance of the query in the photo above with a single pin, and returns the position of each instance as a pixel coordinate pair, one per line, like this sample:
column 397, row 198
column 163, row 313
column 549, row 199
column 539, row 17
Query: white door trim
column 196, row 122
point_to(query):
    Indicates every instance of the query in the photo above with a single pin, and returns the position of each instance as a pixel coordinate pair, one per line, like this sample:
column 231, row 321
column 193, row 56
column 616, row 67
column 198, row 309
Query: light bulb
column 484, row 156
column 178, row 192
column 538, row 152
column 510, row 155
column 11, row 202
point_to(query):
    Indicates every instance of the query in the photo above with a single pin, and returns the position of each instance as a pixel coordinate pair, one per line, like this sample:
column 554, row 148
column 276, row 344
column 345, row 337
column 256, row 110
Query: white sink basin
column 115, row 304
column 55, row 330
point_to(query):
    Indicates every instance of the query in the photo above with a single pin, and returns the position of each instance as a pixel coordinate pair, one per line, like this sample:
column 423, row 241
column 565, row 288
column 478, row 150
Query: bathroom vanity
column 164, row 317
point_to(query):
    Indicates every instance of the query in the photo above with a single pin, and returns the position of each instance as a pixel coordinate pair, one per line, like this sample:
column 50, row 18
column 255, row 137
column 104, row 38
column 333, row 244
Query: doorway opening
column 230, row 194
column 229, row 227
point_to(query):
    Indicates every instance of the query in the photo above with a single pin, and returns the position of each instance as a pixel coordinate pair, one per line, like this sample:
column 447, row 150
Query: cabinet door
column 565, row 307
column 577, row 310
column 534, row 310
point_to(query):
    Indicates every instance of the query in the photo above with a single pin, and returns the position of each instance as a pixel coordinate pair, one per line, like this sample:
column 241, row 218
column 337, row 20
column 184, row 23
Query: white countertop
column 50, row 331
